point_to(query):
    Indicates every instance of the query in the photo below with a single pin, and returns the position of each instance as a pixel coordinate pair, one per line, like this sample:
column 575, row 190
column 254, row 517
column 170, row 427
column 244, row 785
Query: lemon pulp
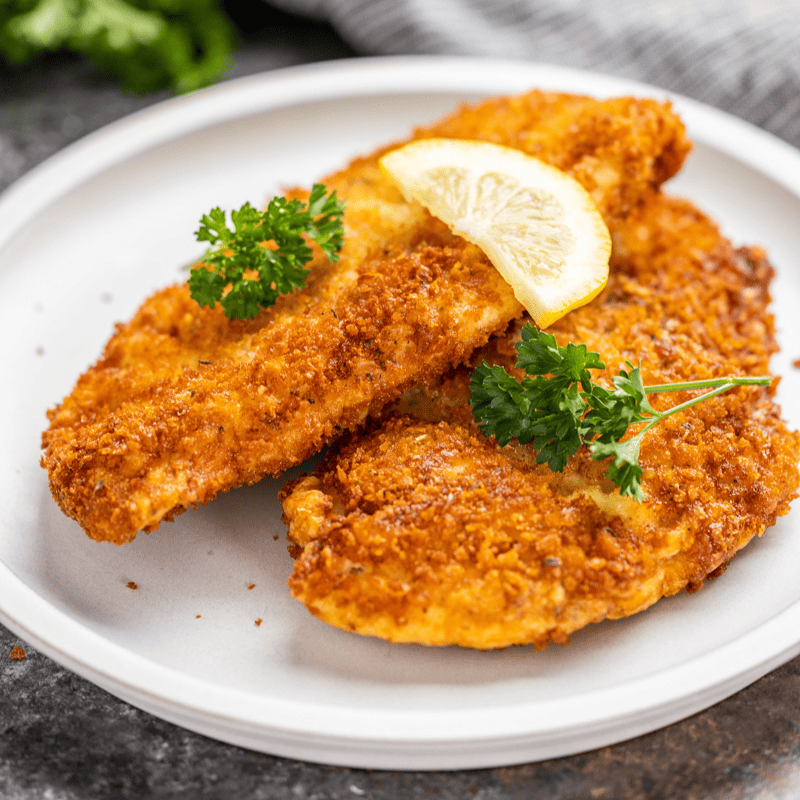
column 538, row 226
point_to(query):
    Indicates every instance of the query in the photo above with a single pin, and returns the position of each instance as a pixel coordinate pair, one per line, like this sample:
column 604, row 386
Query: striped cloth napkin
column 742, row 56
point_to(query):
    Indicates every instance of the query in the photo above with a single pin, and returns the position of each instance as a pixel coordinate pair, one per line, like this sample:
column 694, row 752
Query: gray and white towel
column 742, row 56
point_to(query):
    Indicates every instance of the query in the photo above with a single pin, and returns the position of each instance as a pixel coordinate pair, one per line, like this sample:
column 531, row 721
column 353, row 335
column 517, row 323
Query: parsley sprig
column 256, row 275
column 558, row 409
column 146, row 44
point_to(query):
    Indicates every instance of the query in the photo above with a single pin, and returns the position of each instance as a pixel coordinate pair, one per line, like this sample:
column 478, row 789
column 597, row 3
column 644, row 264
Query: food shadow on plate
column 640, row 645
column 201, row 560
column 216, row 578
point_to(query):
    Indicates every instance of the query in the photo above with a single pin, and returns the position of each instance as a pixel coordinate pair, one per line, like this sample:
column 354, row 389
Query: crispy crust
column 424, row 530
column 184, row 404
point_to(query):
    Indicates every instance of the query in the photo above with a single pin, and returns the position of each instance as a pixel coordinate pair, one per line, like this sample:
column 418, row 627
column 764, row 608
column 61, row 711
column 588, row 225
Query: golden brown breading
column 426, row 531
column 184, row 403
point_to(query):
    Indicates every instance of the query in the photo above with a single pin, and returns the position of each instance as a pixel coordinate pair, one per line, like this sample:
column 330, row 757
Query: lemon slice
column 538, row 226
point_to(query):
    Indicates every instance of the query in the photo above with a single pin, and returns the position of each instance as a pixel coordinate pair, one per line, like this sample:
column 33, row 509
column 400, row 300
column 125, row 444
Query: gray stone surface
column 62, row 738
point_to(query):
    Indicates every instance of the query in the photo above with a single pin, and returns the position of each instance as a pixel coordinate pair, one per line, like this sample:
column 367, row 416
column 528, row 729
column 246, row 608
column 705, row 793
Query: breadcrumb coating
column 184, row 403
column 424, row 530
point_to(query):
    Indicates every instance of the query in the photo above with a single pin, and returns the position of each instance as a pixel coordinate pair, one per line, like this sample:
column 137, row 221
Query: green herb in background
column 255, row 275
column 146, row 44
column 560, row 409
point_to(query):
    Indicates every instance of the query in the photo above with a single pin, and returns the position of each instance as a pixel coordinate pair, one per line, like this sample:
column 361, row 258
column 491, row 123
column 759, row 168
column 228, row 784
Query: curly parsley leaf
column 624, row 469
column 245, row 274
column 539, row 354
column 557, row 408
column 502, row 404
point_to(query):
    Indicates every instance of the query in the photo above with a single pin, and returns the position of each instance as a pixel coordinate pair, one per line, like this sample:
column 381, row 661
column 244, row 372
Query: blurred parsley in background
column 146, row 44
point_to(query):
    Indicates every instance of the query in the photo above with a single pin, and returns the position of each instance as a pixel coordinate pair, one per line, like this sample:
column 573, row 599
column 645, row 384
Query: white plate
column 86, row 236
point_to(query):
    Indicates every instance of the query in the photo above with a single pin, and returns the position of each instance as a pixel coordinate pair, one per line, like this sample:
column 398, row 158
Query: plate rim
column 409, row 734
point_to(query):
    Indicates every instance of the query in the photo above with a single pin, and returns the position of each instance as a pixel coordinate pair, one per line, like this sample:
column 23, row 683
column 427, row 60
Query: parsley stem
column 721, row 385
column 709, row 383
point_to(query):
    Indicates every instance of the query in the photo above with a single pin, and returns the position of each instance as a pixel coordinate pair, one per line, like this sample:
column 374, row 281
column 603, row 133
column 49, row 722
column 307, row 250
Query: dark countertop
column 61, row 737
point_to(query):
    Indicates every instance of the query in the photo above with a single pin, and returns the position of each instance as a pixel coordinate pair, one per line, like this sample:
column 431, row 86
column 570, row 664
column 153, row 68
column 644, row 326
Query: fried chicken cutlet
column 184, row 403
column 424, row 530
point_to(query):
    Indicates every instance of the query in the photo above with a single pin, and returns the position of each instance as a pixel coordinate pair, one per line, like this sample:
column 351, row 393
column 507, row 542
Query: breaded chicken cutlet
column 424, row 530
column 184, row 403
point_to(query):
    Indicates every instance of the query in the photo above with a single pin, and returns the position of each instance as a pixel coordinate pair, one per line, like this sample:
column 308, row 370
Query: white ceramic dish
column 86, row 236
